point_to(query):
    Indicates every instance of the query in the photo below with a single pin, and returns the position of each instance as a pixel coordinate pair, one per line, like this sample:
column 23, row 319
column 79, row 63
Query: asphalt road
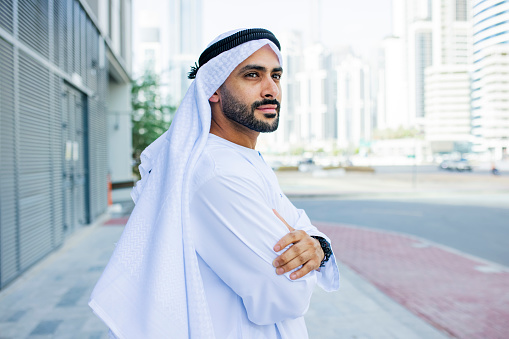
column 475, row 230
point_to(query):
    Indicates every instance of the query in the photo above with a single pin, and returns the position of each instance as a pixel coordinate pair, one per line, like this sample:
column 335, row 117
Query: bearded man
column 213, row 248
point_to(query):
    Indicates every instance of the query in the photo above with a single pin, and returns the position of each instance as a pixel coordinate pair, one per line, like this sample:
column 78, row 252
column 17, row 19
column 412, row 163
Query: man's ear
column 214, row 97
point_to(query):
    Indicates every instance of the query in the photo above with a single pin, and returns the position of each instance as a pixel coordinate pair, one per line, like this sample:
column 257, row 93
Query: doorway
column 75, row 159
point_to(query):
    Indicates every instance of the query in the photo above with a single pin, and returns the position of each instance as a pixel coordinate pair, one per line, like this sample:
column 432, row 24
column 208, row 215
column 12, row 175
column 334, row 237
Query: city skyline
column 362, row 25
column 409, row 70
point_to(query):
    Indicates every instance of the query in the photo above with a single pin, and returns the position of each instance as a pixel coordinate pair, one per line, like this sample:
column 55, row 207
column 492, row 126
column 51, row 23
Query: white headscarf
column 152, row 287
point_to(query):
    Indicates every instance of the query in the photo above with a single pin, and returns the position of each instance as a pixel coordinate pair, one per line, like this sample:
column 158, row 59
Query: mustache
column 257, row 104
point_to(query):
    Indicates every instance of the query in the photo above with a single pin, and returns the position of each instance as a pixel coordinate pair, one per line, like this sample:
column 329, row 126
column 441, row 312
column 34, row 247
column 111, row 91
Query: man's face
column 251, row 95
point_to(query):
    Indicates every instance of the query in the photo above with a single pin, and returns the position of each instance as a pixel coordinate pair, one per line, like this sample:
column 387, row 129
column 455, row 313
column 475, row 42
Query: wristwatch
column 327, row 251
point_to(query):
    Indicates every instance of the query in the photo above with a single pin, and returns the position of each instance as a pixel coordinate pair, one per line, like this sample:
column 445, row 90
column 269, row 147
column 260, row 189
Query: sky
column 361, row 24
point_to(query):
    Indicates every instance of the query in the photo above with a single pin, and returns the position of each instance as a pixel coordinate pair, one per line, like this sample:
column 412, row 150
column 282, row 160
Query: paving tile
column 16, row 316
column 94, row 324
column 72, row 296
column 440, row 285
column 99, row 268
column 71, row 325
column 96, row 335
column 344, row 314
column 46, row 327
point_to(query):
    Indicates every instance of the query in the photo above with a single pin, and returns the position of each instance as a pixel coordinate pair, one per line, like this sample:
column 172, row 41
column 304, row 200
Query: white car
column 458, row 165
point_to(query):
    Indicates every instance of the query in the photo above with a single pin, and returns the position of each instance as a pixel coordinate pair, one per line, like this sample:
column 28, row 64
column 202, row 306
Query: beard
column 244, row 115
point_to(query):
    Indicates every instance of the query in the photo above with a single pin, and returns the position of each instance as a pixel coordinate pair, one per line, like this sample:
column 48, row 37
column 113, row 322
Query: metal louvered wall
column 53, row 137
column 9, row 266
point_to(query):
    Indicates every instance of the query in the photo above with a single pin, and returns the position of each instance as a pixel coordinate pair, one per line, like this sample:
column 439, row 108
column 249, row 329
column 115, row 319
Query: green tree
column 150, row 117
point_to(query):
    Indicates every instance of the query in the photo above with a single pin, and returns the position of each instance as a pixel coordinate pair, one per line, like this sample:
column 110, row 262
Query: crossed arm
column 305, row 251
column 237, row 234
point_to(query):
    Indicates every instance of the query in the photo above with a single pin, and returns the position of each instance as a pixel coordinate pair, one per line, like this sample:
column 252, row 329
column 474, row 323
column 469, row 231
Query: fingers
column 290, row 238
column 290, row 228
column 296, row 255
column 307, row 267
column 290, row 255
column 305, row 252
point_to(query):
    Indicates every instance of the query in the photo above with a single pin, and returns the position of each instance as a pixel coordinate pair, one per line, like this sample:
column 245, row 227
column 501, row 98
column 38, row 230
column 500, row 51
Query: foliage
column 297, row 151
column 399, row 133
column 150, row 117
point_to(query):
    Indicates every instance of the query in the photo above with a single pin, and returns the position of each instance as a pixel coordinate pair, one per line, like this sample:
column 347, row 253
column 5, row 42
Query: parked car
column 307, row 165
column 458, row 165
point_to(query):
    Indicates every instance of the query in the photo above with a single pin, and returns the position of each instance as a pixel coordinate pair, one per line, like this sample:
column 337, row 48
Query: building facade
column 447, row 80
column 407, row 54
column 185, row 17
column 167, row 39
column 393, row 111
column 490, row 77
column 59, row 61
column 354, row 119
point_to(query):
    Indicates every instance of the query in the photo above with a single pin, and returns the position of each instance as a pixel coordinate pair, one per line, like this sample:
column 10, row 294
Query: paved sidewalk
column 466, row 297
column 50, row 301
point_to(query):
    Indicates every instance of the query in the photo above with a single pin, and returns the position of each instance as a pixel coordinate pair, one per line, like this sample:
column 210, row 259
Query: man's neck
column 235, row 133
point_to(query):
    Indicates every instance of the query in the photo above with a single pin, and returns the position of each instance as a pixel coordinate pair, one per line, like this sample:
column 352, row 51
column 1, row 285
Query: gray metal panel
column 57, row 33
column 67, row 168
column 8, row 206
column 102, row 142
column 97, row 122
column 83, row 45
column 57, row 155
column 6, row 15
column 79, row 163
column 34, row 162
column 66, row 33
column 92, row 56
column 76, row 39
column 98, row 147
column 34, row 25
column 94, row 169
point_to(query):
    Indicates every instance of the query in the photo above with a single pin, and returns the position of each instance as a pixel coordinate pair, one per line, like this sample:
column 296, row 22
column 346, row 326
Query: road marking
column 420, row 245
column 489, row 269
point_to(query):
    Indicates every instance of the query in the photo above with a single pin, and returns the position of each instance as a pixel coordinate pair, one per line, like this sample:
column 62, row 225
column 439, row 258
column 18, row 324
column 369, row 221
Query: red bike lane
column 464, row 296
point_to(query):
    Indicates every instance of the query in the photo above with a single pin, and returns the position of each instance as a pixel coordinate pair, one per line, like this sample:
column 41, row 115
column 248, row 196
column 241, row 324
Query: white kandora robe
column 156, row 284
column 234, row 229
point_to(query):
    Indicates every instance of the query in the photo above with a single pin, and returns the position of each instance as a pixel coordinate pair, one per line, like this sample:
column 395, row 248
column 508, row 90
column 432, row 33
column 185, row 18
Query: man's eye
column 251, row 75
column 277, row 76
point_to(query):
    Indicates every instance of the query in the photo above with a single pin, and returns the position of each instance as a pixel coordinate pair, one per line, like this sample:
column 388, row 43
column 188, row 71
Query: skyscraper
column 447, row 83
column 393, row 109
column 168, row 41
column 490, row 79
column 185, row 18
column 406, row 55
column 353, row 103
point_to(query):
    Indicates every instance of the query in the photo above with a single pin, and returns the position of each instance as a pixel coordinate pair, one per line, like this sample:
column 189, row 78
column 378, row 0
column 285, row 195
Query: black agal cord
column 230, row 42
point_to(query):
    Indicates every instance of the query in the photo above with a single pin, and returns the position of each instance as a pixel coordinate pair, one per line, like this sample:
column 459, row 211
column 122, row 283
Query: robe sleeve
column 235, row 230
column 328, row 276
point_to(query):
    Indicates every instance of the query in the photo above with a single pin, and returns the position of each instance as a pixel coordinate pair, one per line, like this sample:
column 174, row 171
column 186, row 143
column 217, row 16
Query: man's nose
column 270, row 88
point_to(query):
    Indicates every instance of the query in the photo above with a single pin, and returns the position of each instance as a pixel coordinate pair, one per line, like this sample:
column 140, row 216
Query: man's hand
column 306, row 251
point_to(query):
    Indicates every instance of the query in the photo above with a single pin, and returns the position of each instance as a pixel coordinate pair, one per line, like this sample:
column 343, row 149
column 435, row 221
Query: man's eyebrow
column 259, row 68
column 253, row 67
